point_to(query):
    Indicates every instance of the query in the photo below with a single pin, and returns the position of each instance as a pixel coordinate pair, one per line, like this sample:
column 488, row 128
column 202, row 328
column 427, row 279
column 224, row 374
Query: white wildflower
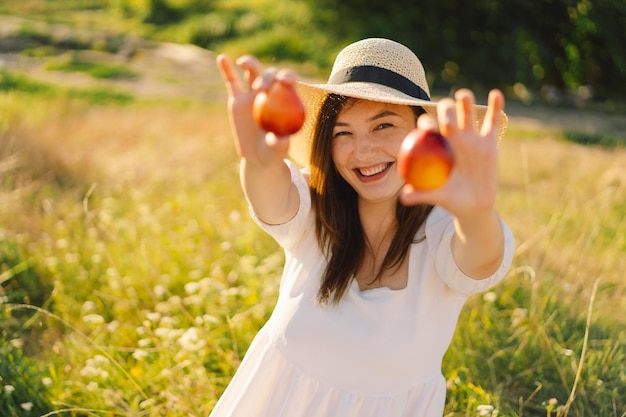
column 17, row 343
column 486, row 410
column 140, row 354
column 490, row 297
column 144, row 342
column 101, row 360
column 90, row 371
column 47, row 381
column 190, row 341
column 159, row 291
column 9, row 388
column 88, row 306
column 93, row 319
column 192, row 287
column 168, row 334
column 168, row 321
column 51, row 262
column 27, row 406
column 194, row 300
column 234, row 216
column 207, row 318
column 153, row 316
column 113, row 326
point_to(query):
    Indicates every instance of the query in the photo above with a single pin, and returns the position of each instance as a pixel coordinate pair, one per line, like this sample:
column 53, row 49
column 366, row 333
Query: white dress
column 377, row 353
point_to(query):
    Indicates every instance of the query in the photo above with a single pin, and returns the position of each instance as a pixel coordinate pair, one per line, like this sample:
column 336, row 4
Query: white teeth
column 368, row 172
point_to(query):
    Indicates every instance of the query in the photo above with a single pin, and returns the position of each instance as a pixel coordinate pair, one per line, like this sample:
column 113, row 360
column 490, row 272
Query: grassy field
column 125, row 224
column 132, row 279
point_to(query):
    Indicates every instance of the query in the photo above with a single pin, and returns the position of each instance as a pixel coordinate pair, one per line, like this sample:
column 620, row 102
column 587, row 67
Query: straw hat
column 372, row 69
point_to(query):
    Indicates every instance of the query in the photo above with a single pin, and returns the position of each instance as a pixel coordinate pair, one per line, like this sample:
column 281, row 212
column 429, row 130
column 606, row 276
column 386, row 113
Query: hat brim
column 313, row 96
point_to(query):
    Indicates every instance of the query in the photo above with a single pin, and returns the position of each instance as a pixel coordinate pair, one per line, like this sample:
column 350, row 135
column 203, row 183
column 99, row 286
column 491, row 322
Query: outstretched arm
column 470, row 192
column 265, row 177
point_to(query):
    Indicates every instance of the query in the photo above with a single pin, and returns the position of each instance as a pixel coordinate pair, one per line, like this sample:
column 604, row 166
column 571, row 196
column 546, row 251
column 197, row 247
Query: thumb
column 277, row 144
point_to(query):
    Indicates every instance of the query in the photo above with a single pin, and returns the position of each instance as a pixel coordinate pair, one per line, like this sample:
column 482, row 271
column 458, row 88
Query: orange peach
column 278, row 109
column 425, row 159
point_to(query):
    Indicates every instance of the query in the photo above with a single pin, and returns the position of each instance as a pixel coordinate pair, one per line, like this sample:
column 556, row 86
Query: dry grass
column 136, row 215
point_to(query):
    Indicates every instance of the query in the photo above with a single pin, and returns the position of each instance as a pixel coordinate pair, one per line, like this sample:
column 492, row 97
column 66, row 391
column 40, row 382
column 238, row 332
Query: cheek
column 339, row 153
column 394, row 144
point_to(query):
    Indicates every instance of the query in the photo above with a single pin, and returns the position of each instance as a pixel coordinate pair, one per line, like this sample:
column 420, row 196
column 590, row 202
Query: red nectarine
column 278, row 109
column 425, row 159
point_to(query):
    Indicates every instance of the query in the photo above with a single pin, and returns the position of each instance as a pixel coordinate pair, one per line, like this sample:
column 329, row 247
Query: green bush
column 599, row 139
column 21, row 284
column 94, row 69
column 10, row 81
column 22, row 387
column 556, row 43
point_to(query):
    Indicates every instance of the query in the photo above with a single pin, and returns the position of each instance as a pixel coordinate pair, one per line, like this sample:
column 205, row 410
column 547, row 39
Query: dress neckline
column 354, row 285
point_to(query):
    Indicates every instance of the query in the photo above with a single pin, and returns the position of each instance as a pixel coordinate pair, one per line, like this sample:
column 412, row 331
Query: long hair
column 338, row 226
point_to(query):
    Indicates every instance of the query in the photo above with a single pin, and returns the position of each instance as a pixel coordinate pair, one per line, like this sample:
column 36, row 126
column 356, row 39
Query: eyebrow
column 381, row 115
column 371, row 119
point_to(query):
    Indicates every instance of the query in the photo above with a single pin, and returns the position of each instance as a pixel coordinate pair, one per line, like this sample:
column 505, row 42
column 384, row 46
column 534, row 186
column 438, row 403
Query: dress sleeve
column 286, row 234
column 439, row 232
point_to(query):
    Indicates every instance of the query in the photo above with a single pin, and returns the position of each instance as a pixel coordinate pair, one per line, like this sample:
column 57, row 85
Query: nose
column 364, row 147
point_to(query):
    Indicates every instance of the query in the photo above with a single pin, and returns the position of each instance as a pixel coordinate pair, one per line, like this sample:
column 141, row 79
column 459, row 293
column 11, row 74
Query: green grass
column 95, row 69
column 20, row 84
column 607, row 141
column 159, row 280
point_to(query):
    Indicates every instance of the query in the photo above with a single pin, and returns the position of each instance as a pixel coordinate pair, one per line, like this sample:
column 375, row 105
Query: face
column 366, row 140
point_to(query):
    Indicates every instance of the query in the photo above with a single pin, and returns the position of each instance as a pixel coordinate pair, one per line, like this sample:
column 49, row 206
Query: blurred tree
column 160, row 12
column 573, row 46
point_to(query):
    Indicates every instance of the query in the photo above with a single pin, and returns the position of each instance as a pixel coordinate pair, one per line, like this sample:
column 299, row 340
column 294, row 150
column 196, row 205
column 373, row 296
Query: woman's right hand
column 253, row 144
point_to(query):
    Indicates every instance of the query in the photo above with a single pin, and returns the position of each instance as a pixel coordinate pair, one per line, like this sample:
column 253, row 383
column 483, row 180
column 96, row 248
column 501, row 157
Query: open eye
column 384, row 126
column 339, row 133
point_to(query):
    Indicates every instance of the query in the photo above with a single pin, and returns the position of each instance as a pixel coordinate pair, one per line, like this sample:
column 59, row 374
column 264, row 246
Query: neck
column 378, row 220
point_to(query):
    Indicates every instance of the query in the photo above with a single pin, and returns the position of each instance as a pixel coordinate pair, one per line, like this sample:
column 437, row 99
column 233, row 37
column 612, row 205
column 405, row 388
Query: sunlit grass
column 159, row 279
column 94, row 69
column 20, row 84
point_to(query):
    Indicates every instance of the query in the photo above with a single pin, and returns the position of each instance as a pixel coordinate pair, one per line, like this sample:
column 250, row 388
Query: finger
column 446, row 115
column 229, row 75
column 465, row 111
column 410, row 196
column 279, row 144
column 286, row 77
column 493, row 117
column 265, row 79
column 427, row 122
column 251, row 66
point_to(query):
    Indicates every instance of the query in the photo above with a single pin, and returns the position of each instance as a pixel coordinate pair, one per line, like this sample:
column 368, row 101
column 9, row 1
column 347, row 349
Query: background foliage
column 572, row 47
column 559, row 51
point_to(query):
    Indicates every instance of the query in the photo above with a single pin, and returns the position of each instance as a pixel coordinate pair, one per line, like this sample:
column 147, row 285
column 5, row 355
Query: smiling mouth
column 374, row 170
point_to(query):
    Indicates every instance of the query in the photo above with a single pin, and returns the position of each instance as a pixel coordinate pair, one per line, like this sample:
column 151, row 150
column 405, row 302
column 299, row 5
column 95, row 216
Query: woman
column 376, row 273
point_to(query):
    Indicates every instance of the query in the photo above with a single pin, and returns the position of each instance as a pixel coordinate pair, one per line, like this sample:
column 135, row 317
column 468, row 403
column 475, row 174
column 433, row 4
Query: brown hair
column 337, row 222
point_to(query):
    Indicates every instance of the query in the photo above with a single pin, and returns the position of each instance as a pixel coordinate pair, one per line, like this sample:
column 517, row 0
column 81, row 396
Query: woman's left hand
column 473, row 182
